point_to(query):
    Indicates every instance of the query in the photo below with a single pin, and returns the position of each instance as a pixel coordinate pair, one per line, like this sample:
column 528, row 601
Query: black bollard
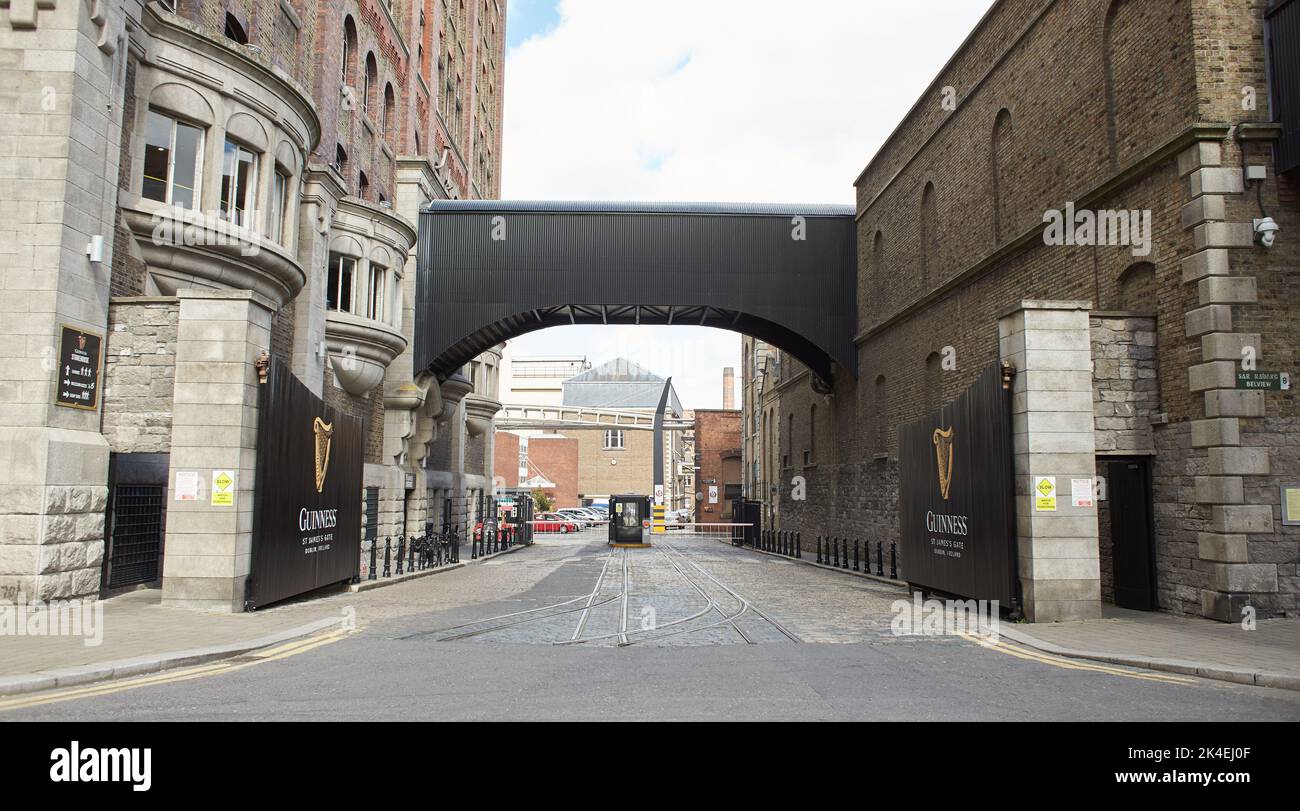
column 374, row 559
column 835, row 545
column 388, row 557
column 819, row 549
column 401, row 553
column 893, row 561
column 856, row 543
column 880, row 559
column 798, row 545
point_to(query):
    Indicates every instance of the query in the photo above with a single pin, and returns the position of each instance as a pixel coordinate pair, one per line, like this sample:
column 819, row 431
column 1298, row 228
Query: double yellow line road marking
column 247, row 660
column 1028, row 654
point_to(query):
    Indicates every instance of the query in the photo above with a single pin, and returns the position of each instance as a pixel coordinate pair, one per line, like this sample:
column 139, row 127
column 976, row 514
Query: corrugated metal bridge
column 492, row 270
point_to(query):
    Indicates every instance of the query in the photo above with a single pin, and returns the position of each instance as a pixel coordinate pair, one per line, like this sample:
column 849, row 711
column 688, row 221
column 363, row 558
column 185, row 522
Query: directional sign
column 79, row 369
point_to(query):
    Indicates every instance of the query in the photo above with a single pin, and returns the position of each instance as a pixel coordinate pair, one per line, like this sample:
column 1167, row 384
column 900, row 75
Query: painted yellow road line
column 107, row 688
column 1002, row 646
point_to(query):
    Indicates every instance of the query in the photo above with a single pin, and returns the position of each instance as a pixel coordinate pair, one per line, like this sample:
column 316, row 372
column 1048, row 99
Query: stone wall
column 140, row 374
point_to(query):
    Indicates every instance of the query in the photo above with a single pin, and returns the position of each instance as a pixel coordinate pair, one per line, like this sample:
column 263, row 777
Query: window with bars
column 136, row 534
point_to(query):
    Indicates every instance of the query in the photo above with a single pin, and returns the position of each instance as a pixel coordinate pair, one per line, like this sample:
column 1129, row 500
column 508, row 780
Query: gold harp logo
column 943, row 456
column 324, row 437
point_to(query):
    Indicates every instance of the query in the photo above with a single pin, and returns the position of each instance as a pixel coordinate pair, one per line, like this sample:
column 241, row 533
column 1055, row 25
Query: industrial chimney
column 729, row 388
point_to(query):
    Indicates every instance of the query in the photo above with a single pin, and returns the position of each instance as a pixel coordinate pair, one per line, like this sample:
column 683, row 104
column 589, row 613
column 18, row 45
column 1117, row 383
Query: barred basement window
column 173, row 154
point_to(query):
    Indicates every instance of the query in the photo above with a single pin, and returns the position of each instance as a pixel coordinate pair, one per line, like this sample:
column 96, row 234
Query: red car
column 554, row 522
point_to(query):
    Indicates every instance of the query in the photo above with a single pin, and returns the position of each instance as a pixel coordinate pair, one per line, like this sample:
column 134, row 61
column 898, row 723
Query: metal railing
column 848, row 554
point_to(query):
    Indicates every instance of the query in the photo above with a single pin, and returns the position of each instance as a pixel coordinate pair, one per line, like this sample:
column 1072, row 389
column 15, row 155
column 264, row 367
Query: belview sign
column 956, row 496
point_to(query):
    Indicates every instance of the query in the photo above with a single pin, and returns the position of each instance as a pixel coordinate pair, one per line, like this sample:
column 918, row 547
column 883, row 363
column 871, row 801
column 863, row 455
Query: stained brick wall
column 1080, row 101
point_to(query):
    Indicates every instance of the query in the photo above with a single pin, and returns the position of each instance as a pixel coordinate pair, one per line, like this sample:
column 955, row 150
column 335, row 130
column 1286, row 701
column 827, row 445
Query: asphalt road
column 690, row 630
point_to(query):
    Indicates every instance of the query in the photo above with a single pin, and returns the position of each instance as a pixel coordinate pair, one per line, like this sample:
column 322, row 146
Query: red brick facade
column 718, row 449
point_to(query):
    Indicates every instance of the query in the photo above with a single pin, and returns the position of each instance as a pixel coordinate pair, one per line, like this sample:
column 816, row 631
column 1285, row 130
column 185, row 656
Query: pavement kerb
column 370, row 585
column 816, row 565
column 154, row 663
column 1182, row 667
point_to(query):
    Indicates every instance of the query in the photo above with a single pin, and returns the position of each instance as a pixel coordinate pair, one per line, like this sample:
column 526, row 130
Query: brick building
column 254, row 169
column 719, row 472
column 1152, row 106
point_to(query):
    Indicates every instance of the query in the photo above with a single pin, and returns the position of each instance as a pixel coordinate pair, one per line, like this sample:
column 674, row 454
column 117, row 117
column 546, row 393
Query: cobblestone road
column 685, row 590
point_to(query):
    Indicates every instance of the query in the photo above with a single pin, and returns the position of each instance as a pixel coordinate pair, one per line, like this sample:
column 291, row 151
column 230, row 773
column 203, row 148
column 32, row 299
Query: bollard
column 798, row 545
column 819, row 549
column 880, row 559
column 835, row 545
column 388, row 557
column 785, row 547
column 856, row 542
column 401, row 553
column 473, row 549
column 846, row 553
column 374, row 559
column 410, row 554
column 893, row 561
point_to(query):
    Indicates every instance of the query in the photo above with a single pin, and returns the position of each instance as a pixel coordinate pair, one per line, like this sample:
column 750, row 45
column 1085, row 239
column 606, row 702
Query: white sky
column 708, row 100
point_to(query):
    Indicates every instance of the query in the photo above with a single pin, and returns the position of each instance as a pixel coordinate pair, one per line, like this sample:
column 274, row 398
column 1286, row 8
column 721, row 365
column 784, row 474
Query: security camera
column 1266, row 228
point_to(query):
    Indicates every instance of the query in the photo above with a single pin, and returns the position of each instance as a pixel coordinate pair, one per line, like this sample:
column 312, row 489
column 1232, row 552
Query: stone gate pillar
column 207, row 554
column 1049, row 344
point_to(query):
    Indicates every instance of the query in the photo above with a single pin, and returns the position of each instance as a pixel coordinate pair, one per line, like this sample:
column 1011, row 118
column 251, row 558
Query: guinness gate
column 307, row 497
column 956, row 496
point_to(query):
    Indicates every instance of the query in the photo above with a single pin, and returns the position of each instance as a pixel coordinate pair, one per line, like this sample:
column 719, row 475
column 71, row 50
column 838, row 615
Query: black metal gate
column 956, row 505
column 1132, row 531
column 136, row 520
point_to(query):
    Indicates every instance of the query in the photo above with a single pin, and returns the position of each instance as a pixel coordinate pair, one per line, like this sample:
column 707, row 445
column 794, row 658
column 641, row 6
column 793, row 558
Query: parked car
column 587, row 514
column 583, row 519
column 679, row 517
column 554, row 522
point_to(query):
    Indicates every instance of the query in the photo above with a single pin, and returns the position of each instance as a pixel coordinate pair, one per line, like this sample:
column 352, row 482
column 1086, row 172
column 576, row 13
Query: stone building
column 1127, row 349
column 199, row 182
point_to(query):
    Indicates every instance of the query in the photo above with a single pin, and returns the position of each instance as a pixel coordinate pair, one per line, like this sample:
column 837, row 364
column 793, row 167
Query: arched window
column 369, row 91
column 390, row 107
column 235, row 30
column 810, row 452
column 878, row 271
column 349, row 66
column 1136, row 288
column 1000, row 151
column 933, row 383
column 880, row 405
column 341, row 160
column 929, row 237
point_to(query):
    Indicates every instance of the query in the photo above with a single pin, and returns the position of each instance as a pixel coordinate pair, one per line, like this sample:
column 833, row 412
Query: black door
column 1132, row 533
column 136, row 520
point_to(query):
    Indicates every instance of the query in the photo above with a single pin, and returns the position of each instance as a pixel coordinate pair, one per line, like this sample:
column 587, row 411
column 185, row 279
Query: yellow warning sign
column 223, row 488
column 1046, row 499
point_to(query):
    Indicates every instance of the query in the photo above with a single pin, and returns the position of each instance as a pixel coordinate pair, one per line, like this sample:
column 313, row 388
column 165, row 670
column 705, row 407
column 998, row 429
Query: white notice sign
column 187, row 485
column 1081, row 492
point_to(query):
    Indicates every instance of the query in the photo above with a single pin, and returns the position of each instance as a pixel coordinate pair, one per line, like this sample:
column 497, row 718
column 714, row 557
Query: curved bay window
column 173, row 157
column 376, row 292
column 238, row 184
column 339, row 292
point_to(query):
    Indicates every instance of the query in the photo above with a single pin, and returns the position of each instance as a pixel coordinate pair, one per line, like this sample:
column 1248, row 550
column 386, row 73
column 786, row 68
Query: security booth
column 628, row 519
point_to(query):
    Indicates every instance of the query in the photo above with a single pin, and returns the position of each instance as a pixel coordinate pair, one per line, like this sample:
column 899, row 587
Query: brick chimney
column 729, row 388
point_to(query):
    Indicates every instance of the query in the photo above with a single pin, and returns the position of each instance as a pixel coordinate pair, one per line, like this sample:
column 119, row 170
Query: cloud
column 735, row 101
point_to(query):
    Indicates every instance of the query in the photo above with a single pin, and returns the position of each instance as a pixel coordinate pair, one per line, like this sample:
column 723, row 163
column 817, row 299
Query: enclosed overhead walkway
column 491, row 270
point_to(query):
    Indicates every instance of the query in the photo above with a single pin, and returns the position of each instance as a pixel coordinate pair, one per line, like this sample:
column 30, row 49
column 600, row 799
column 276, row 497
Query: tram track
column 531, row 615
